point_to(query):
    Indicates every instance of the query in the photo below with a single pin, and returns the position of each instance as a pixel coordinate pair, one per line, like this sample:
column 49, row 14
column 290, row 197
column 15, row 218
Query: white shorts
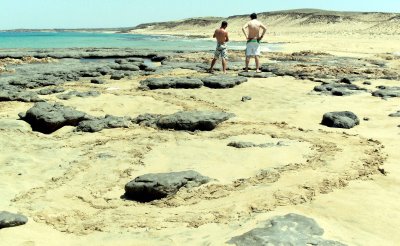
column 253, row 48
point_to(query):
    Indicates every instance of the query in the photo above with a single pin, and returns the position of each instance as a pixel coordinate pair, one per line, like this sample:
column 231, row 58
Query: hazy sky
column 127, row 13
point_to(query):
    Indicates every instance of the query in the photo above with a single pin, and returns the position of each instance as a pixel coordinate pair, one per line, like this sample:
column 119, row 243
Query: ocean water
column 105, row 40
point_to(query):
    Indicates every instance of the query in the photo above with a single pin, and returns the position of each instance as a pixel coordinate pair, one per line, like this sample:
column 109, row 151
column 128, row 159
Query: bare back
column 254, row 27
column 221, row 35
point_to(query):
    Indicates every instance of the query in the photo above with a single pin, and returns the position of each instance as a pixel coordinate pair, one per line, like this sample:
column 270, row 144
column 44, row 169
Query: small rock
column 367, row 83
column 97, row 81
column 246, row 98
column 345, row 81
column 108, row 122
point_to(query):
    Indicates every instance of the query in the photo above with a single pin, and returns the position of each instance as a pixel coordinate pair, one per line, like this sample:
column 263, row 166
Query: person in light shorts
column 252, row 33
column 221, row 35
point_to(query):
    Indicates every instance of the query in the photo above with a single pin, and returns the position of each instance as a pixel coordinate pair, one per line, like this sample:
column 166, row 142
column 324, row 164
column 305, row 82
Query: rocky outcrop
column 171, row 82
column 291, row 229
column 47, row 118
column 337, row 89
column 71, row 94
column 223, row 81
column 108, row 122
column 13, row 93
column 193, row 120
column 156, row 186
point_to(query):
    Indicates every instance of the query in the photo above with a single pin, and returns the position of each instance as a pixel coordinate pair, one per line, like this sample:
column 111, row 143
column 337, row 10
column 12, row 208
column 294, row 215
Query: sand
column 70, row 184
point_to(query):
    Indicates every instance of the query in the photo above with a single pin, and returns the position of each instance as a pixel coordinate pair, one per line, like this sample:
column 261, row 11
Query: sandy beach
column 70, row 183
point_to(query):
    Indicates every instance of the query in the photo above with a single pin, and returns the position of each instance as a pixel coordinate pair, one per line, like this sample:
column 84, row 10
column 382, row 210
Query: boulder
column 156, row 186
column 291, row 229
column 47, row 118
column 344, row 119
column 8, row 219
column 193, row 120
column 108, row 122
column 223, row 81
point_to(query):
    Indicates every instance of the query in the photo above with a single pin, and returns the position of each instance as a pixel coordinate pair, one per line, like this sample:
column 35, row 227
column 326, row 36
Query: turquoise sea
column 105, row 40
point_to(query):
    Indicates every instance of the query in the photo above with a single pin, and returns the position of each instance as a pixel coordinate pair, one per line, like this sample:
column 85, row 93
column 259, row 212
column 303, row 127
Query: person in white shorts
column 252, row 33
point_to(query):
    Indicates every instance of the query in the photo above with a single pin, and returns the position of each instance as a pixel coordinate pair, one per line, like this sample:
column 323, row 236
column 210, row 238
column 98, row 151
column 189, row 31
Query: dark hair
column 253, row 16
column 224, row 24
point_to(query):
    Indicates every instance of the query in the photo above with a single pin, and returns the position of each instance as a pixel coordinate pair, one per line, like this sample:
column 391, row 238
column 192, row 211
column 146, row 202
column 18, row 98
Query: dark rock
column 90, row 74
column 108, row 122
column 13, row 93
column 49, row 91
column 193, row 120
column 121, row 61
column 71, row 94
column 387, row 92
column 223, row 81
column 397, row 114
column 97, row 81
column 8, row 219
column 117, row 76
column 367, row 83
column 253, row 74
column 149, row 120
column 291, row 229
column 337, row 89
column 246, row 98
column 171, row 82
column 158, row 58
column 47, row 118
column 156, row 186
column 366, row 119
column 147, row 67
column 345, row 81
column 135, row 60
column 344, row 119
column 104, row 70
column 126, row 67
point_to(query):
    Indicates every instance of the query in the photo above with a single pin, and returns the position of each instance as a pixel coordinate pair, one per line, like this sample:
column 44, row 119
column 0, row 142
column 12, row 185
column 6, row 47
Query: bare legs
column 212, row 65
column 247, row 63
column 257, row 58
column 224, row 65
column 257, row 64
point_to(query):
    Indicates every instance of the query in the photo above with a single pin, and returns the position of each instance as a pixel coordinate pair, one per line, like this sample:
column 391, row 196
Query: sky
column 32, row 14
